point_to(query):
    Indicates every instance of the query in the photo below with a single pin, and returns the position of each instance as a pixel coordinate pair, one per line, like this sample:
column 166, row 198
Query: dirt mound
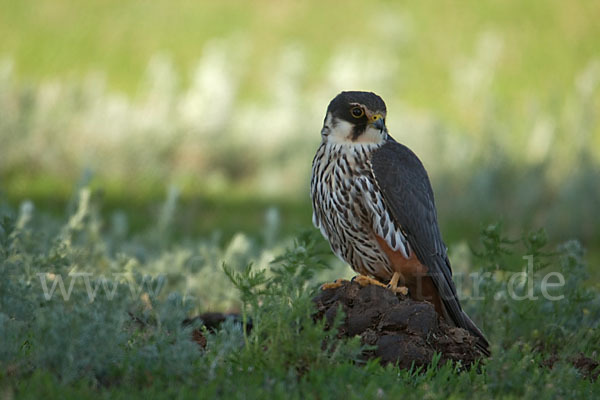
column 588, row 367
column 402, row 330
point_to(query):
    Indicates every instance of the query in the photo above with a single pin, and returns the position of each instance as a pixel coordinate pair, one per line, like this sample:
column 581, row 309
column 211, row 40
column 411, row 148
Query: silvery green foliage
column 78, row 302
column 565, row 317
column 128, row 336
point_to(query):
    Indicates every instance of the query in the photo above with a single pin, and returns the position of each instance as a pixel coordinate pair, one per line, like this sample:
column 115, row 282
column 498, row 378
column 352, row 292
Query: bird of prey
column 373, row 202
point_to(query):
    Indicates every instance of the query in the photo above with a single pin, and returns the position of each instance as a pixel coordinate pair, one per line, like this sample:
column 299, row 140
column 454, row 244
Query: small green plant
column 128, row 339
column 279, row 304
column 534, row 294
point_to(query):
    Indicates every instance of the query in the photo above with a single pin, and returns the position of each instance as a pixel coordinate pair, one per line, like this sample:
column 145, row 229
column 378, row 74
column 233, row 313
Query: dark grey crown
column 340, row 105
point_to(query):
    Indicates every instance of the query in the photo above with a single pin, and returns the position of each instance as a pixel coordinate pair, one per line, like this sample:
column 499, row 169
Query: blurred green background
column 222, row 102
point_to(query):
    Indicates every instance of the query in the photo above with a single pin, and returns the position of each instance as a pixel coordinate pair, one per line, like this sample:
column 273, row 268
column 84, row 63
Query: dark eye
column 357, row 112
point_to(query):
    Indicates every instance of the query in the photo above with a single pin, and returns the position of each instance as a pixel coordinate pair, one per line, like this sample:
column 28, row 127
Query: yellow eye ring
column 357, row 112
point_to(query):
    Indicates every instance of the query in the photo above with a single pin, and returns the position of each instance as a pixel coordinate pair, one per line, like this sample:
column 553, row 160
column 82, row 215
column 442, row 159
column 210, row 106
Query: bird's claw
column 333, row 285
column 364, row 280
column 403, row 290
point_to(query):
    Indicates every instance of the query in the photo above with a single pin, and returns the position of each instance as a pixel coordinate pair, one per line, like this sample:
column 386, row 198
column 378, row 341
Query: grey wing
column 408, row 195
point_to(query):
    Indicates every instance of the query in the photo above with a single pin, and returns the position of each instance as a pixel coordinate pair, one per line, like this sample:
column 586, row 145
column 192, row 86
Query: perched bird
column 373, row 202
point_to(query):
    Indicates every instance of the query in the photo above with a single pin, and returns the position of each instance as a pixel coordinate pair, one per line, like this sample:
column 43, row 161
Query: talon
column 402, row 290
column 393, row 285
column 333, row 285
column 364, row 280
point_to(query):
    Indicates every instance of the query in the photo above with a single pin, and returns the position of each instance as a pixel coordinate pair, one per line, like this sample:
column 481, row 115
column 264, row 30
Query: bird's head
column 355, row 117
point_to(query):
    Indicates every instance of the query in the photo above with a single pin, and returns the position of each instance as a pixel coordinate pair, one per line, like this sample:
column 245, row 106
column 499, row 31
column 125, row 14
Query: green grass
column 224, row 214
column 134, row 346
column 499, row 99
column 193, row 125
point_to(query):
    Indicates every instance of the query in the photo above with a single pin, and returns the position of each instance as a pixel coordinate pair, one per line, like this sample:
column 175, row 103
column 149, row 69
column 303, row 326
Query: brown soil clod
column 587, row 366
column 403, row 331
column 212, row 321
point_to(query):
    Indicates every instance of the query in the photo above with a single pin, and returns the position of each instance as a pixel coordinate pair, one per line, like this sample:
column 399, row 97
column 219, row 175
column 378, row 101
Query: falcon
column 373, row 202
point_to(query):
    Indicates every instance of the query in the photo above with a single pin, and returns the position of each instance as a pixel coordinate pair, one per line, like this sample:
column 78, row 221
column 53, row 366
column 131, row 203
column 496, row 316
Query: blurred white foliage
column 156, row 109
column 474, row 75
column 391, row 27
column 366, row 68
column 272, row 225
column 269, row 126
column 25, row 214
column 6, row 89
column 207, row 104
column 169, row 207
column 207, row 132
column 587, row 81
column 579, row 121
column 541, row 139
column 587, row 84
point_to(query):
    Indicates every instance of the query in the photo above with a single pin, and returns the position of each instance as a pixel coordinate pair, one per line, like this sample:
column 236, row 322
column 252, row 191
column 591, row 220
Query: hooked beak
column 378, row 122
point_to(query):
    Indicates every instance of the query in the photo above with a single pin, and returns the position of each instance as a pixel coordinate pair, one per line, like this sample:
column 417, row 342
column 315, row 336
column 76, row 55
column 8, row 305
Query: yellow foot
column 333, row 285
column 364, row 280
column 393, row 285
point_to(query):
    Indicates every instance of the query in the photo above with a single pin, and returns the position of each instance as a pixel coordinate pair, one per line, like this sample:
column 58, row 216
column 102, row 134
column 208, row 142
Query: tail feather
column 482, row 343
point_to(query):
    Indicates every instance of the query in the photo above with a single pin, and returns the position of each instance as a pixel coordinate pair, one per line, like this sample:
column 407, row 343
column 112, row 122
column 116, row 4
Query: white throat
column 340, row 132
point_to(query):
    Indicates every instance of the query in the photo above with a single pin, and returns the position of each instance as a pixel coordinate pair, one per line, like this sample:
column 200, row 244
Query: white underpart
column 349, row 209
